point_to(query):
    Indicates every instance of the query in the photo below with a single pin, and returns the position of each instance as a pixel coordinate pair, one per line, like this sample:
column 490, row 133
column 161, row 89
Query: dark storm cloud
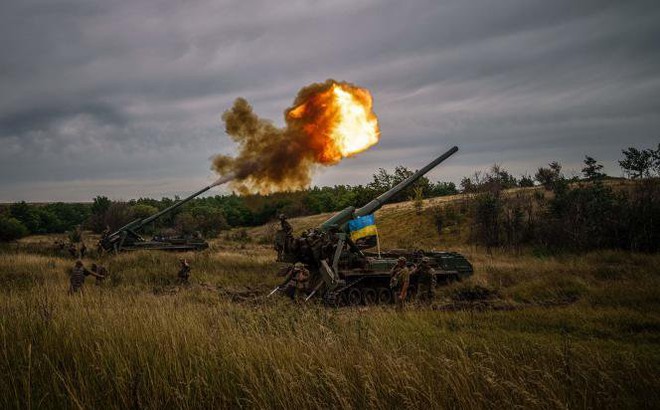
column 43, row 118
column 122, row 94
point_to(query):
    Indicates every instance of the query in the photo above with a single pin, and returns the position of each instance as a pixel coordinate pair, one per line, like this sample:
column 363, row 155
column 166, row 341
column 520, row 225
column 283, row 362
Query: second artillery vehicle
column 127, row 237
column 341, row 272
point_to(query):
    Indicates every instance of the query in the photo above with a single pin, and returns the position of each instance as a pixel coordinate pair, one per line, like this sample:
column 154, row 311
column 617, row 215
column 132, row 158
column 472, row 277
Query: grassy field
column 527, row 330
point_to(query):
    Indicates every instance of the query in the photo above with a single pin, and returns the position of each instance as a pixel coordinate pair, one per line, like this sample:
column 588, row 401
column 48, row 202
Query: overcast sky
column 123, row 98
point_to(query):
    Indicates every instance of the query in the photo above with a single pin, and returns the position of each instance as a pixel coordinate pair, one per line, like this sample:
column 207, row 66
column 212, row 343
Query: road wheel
column 384, row 296
column 354, row 297
column 369, row 296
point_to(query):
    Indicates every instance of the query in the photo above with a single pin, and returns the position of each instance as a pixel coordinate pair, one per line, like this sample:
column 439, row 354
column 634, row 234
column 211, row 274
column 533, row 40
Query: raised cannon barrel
column 341, row 218
column 139, row 223
column 127, row 236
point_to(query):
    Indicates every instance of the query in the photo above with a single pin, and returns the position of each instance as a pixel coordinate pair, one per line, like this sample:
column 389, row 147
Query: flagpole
column 378, row 242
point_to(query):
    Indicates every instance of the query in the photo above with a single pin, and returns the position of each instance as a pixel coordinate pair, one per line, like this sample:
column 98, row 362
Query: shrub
column 11, row 229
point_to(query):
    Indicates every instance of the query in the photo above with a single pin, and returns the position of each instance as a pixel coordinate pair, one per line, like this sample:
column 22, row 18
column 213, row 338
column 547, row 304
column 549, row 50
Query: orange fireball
column 339, row 121
column 327, row 121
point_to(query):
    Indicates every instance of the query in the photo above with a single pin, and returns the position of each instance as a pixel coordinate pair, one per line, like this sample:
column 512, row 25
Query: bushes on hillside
column 11, row 229
column 580, row 216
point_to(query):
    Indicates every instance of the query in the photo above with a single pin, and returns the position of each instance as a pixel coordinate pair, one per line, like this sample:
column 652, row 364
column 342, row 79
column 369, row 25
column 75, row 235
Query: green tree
column 467, row 186
column 209, row 220
column 636, row 163
column 548, row 177
column 526, row 181
column 11, row 229
column 27, row 215
column 185, row 223
column 99, row 218
column 656, row 161
column 143, row 210
column 592, row 169
column 443, row 189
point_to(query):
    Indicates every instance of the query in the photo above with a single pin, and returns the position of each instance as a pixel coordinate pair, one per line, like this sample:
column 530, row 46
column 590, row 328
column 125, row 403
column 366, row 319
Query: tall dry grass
column 577, row 331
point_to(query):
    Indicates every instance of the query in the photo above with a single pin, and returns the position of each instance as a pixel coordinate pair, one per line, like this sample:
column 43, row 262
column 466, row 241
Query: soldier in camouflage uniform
column 296, row 282
column 101, row 273
column 426, row 281
column 285, row 225
column 284, row 238
column 78, row 275
column 399, row 281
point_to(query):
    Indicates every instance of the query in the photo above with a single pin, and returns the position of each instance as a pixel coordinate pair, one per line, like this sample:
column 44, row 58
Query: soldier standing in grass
column 426, row 281
column 101, row 273
column 399, row 281
column 184, row 272
column 77, row 276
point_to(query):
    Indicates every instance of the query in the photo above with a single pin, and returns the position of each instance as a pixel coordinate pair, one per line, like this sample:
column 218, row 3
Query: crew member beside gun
column 77, row 276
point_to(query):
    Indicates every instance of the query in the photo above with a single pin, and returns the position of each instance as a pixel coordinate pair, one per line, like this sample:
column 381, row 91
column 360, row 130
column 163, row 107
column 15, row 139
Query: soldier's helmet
column 402, row 259
column 79, row 263
column 282, row 216
column 426, row 259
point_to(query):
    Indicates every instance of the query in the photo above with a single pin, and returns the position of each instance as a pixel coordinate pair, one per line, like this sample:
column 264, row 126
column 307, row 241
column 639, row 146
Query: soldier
column 296, row 282
column 83, row 250
column 106, row 232
column 73, row 251
column 399, row 281
column 77, row 276
column 184, row 272
column 426, row 281
column 101, row 273
column 286, row 226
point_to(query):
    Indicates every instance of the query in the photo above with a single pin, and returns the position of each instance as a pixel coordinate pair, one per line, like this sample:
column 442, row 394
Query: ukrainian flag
column 363, row 228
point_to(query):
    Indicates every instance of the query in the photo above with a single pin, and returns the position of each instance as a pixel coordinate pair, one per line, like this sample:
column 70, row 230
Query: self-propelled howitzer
column 342, row 272
column 128, row 238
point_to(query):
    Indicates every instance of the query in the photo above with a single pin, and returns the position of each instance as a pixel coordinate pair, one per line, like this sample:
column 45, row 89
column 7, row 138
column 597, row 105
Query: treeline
column 208, row 215
column 20, row 219
column 573, row 213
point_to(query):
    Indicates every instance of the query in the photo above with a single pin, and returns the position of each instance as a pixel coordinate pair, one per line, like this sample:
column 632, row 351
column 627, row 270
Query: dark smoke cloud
column 275, row 159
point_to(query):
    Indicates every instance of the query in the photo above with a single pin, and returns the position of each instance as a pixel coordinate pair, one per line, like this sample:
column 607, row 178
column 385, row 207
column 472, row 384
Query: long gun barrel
column 341, row 219
column 139, row 223
column 381, row 200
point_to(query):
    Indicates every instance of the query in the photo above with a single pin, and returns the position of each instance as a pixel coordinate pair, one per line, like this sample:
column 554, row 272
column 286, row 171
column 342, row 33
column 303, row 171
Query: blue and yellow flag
column 363, row 229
